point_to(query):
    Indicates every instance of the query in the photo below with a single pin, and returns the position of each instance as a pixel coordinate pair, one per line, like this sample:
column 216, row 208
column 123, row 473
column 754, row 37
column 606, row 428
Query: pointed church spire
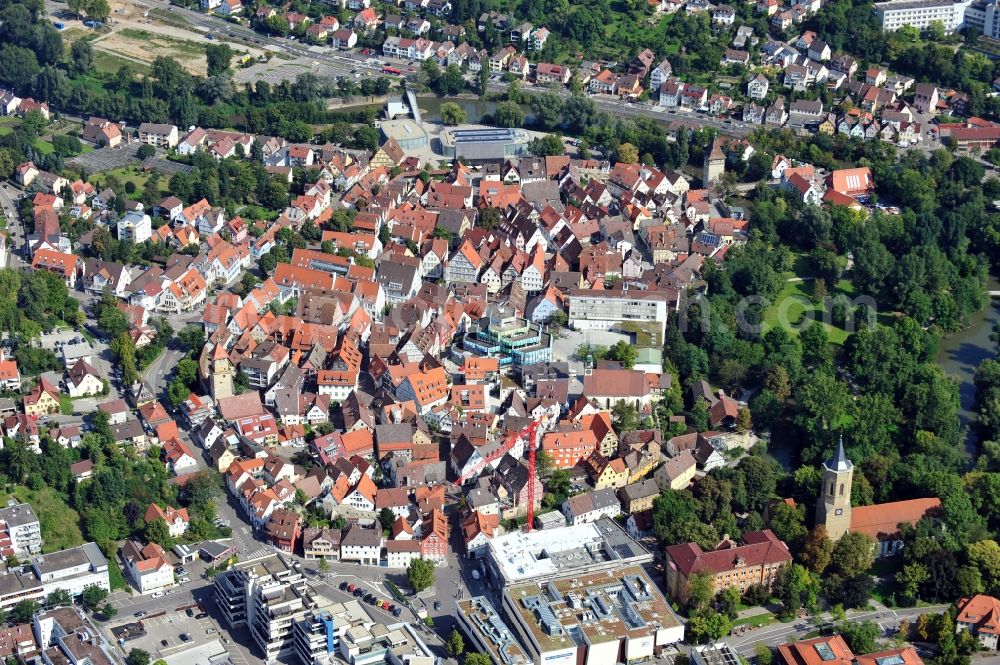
column 839, row 461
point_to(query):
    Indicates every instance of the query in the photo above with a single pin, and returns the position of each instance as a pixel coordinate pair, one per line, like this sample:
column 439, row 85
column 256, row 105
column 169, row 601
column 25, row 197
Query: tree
column 788, row 523
column 138, row 657
column 628, row 153
column 854, row 553
column 191, row 337
column 158, row 532
column 420, row 574
column 624, row 353
column 145, row 151
column 58, row 598
column 82, row 56
column 797, row 588
column 386, row 518
column 452, row 114
column 94, row 595
column 477, row 658
column 489, row 218
column 508, row 114
column 108, row 611
column 708, row 626
column 218, row 56
column 455, row 645
column 728, row 602
column 700, row 591
column 763, row 654
column 817, row 550
column 860, row 636
column 548, row 145
column 24, row 611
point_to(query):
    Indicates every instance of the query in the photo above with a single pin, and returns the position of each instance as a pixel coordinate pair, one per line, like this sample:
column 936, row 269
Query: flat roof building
column 921, row 13
column 519, row 557
column 603, row 310
column 489, row 633
column 592, row 618
column 407, row 133
column 484, row 144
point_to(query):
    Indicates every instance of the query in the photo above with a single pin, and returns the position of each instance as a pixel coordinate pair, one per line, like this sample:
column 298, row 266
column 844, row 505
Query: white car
column 157, row 594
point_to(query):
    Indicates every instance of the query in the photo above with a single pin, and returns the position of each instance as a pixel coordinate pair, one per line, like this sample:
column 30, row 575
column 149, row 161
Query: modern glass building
column 502, row 334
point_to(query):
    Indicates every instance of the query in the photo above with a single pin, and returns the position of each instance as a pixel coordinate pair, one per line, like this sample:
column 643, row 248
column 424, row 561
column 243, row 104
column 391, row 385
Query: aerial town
column 466, row 332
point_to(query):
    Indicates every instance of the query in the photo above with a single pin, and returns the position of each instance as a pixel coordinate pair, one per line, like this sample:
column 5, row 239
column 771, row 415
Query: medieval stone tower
column 222, row 373
column 833, row 509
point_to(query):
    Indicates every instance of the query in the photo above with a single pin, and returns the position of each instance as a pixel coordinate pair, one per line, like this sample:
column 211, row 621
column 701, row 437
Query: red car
column 351, row 588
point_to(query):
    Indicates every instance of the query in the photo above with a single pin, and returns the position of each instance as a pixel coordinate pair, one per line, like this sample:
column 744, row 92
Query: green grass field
column 756, row 620
column 109, row 63
column 795, row 300
column 7, row 124
column 60, row 523
column 44, row 146
column 127, row 174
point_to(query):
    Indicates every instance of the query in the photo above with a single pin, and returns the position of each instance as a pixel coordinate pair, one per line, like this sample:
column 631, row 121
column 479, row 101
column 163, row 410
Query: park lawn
column 756, row 620
column 125, row 174
column 43, row 146
column 796, row 299
column 60, row 523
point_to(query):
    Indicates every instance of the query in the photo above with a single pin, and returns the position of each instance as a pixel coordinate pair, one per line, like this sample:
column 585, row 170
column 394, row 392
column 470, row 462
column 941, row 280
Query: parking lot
column 172, row 631
column 106, row 159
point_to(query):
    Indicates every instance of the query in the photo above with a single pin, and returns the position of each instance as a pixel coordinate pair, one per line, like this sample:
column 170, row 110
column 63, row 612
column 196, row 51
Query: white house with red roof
column 176, row 518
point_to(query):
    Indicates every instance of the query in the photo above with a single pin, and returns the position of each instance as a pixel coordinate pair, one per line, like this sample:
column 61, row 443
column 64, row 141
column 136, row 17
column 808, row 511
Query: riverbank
column 961, row 353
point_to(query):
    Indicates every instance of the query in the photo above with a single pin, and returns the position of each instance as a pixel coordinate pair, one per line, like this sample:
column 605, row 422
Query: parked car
column 185, row 637
column 139, row 614
column 343, row 586
column 157, row 594
column 396, row 612
column 437, row 605
column 164, row 643
column 351, row 588
column 201, row 615
column 189, row 612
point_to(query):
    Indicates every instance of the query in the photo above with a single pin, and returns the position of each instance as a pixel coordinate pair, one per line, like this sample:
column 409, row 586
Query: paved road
column 776, row 634
column 15, row 229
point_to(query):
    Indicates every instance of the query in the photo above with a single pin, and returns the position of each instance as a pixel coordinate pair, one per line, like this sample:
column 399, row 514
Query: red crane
column 532, row 446
column 528, row 432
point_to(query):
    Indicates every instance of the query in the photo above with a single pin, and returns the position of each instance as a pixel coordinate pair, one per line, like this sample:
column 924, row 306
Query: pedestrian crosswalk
column 258, row 553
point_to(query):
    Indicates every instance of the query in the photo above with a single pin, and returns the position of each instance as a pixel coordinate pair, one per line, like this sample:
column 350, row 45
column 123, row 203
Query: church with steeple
column 880, row 521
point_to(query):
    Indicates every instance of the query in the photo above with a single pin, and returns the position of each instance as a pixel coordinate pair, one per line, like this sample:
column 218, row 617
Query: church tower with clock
column 833, row 510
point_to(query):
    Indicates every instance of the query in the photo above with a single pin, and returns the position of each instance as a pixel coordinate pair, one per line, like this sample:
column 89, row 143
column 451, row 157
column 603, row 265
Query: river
column 961, row 353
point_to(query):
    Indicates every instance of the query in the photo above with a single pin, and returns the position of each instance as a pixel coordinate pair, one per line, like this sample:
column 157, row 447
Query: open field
column 795, row 302
column 126, row 174
column 136, row 36
column 60, row 523
column 144, row 46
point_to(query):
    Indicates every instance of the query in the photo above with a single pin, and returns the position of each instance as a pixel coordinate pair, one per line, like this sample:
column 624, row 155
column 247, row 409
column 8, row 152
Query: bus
column 392, row 70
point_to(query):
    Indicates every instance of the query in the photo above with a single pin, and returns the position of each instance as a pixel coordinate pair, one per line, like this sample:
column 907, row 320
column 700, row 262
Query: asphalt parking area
column 106, row 159
column 163, row 633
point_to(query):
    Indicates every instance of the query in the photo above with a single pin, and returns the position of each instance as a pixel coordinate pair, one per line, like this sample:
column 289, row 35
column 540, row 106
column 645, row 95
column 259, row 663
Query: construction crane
column 527, row 432
column 532, row 447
